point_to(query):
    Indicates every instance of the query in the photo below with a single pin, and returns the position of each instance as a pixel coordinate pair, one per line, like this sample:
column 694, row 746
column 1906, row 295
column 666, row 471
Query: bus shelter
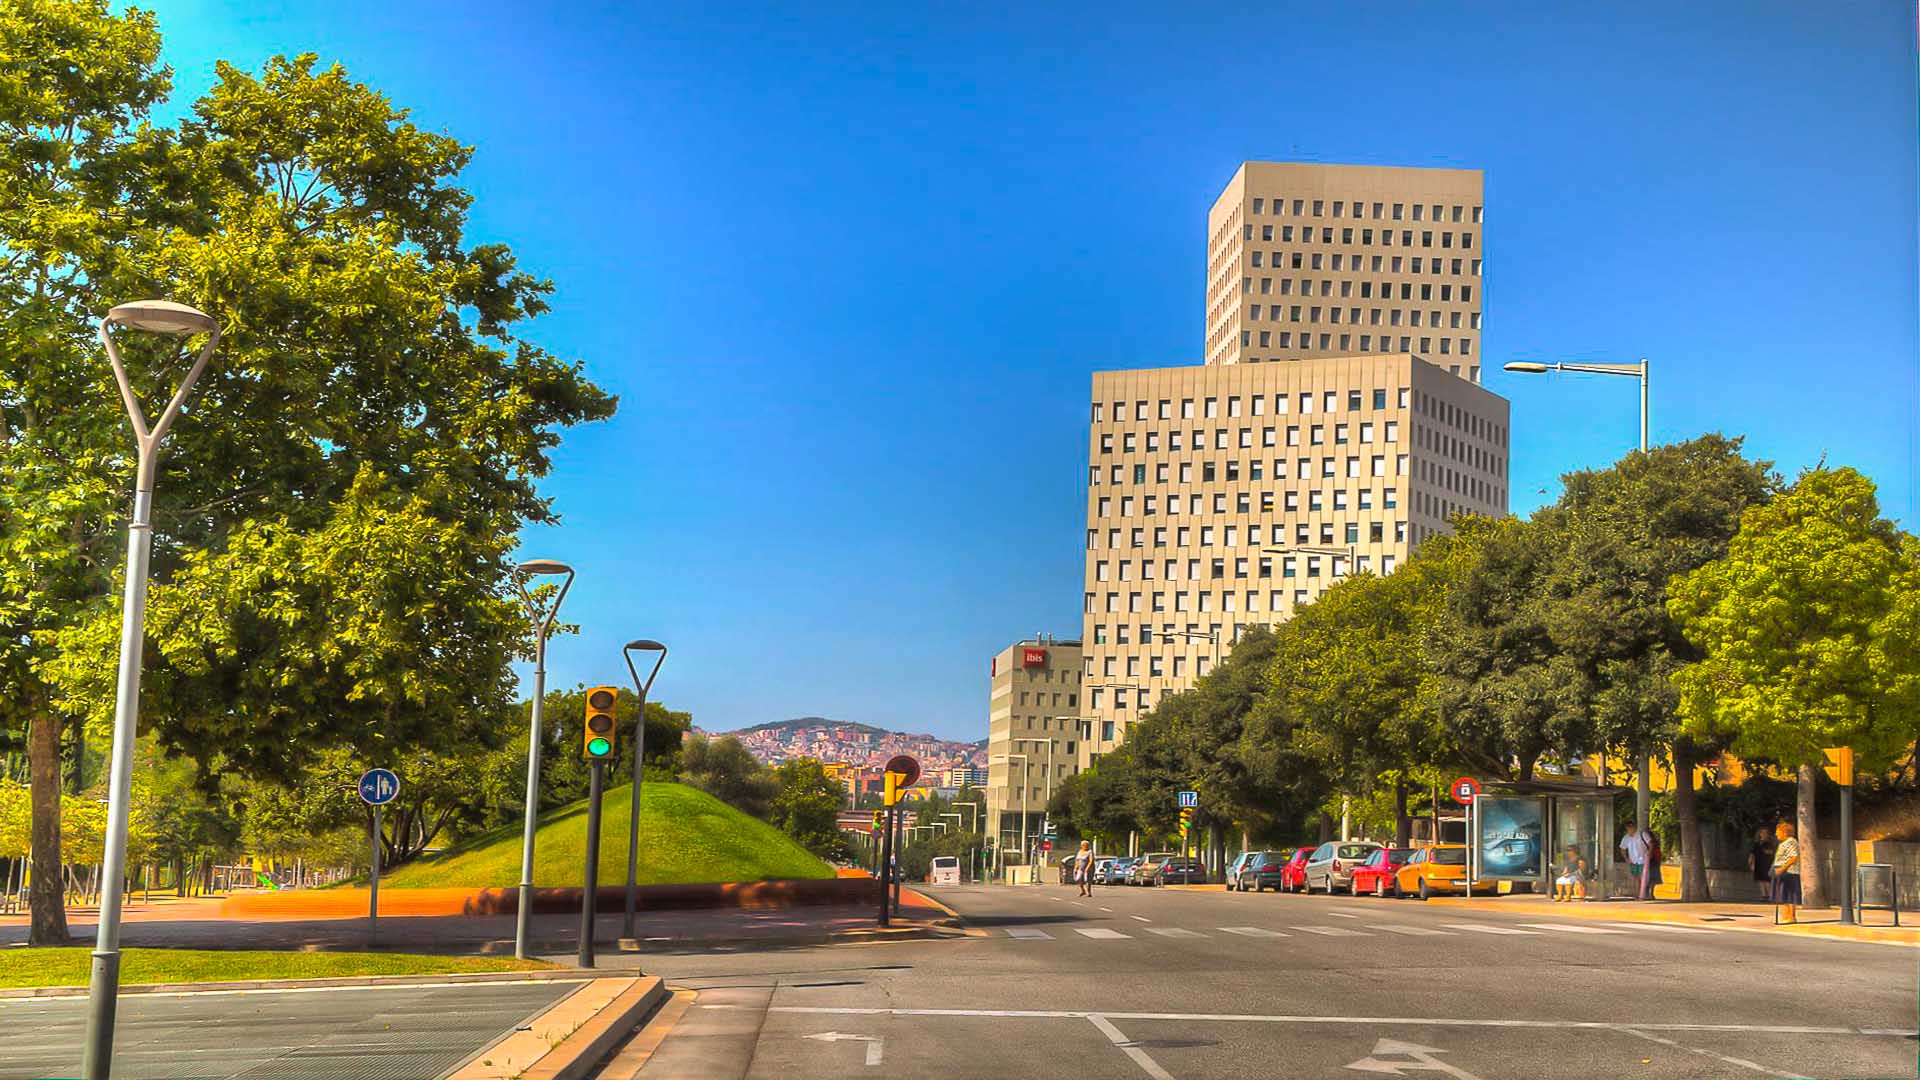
column 1531, row 831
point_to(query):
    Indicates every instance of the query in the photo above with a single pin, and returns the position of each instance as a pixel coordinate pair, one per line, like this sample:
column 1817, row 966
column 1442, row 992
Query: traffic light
column 598, row 733
column 1840, row 765
column 879, row 820
column 1186, row 819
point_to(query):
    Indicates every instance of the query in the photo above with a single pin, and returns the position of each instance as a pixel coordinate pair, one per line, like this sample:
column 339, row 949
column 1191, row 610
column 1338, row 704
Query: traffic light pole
column 893, row 868
column 886, row 862
column 1846, row 853
column 597, row 769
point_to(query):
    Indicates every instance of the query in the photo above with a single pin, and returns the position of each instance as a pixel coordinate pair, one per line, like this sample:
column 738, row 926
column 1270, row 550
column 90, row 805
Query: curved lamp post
column 542, row 619
column 640, row 687
column 175, row 320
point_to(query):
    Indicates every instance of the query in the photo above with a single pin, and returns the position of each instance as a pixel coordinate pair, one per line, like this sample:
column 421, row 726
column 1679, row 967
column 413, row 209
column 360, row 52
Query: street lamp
column 1643, row 781
column 542, row 619
column 1008, row 758
column 641, row 687
column 1350, row 551
column 174, row 320
column 1211, row 637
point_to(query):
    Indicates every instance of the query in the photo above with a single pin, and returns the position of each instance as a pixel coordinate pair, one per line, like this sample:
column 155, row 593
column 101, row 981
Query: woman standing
column 1786, row 872
column 1760, row 860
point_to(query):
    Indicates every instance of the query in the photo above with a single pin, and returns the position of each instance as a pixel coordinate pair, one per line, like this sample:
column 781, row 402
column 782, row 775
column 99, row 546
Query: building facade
column 1033, row 720
column 1307, row 261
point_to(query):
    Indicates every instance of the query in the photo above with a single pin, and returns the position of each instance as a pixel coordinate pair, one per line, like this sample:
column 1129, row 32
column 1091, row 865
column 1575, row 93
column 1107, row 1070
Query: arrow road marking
column 875, row 1045
column 1419, row 1059
column 1140, row 1057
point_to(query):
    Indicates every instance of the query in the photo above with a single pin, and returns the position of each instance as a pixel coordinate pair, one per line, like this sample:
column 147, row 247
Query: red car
column 1379, row 875
column 1293, row 875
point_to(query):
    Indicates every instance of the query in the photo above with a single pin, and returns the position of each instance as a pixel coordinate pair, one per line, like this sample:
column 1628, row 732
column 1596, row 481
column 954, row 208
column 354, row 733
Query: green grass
column 71, row 966
column 686, row 836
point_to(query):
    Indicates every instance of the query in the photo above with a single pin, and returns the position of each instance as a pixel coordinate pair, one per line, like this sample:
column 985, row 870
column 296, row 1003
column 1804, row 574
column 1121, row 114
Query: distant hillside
column 845, row 741
column 804, row 723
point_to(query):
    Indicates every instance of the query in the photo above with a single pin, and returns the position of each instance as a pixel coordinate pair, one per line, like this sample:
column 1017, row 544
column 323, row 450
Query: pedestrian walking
column 1760, row 860
column 1655, row 857
column 1634, row 846
column 1786, row 872
column 1083, row 867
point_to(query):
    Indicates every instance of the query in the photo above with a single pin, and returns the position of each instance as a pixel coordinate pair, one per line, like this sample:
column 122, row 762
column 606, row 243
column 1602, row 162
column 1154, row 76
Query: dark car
column 1116, row 871
column 1260, row 872
column 1292, row 875
column 1180, row 870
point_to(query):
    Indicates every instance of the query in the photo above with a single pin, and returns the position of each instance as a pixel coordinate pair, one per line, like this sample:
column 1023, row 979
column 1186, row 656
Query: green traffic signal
column 598, row 747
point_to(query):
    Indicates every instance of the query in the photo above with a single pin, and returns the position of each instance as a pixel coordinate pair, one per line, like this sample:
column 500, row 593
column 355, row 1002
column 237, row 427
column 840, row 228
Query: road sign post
column 1840, row 768
column 378, row 787
column 1464, row 791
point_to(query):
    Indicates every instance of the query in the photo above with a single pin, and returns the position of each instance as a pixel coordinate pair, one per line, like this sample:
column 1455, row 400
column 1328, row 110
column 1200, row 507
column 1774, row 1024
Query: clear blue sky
column 849, row 270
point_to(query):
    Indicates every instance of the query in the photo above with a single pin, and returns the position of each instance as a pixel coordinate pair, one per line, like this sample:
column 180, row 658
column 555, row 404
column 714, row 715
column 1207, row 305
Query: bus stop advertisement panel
column 1509, row 834
column 1527, row 830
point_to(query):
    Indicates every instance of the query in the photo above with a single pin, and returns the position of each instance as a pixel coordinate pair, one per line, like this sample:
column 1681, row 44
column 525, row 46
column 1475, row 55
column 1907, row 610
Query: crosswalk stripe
column 1569, row 928
column 1173, row 931
column 1250, row 931
column 1333, row 931
column 1342, row 915
column 1411, row 931
column 1101, row 933
column 1028, row 934
column 1142, row 918
column 1482, row 928
column 1664, row 927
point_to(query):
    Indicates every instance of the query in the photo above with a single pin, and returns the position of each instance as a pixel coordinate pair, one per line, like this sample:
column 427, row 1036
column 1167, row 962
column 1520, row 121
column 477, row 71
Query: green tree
column 1630, row 529
column 807, row 806
column 1809, row 634
column 336, row 515
column 728, row 771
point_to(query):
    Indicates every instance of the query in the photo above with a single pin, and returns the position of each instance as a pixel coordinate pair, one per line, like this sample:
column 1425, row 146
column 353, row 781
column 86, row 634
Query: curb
column 553, row 975
column 578, row 1049
column 1828, row 931
column 627, row 1062
column 864, row 935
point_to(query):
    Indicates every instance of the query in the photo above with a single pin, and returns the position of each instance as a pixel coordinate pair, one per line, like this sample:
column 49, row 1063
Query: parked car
column 1100, row 866
column 1234, row 869
column 1260, row 871
column 1180, row 870
column 1441, row 868
column 1143, row 871
column 1376, row 874
column 1332, row 864
column 1292, row 875
column 1116, row 870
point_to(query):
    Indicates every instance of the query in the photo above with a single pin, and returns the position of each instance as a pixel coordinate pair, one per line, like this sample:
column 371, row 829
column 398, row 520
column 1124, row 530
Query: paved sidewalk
column 1732, row 915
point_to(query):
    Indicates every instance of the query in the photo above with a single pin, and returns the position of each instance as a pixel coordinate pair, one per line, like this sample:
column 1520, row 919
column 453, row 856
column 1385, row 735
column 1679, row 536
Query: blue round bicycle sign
column 379, row 787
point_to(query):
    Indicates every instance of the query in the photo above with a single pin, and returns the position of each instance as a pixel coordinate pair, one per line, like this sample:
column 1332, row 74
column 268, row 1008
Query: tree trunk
column 44, row 898
column 1693, row 857
column 1326, row 826
column 1813, row 886
column 1402, row 824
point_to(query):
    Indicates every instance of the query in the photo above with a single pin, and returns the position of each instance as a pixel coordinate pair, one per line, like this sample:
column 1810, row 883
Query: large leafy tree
column 728, row 771
column 1629, row 529
column 1809, row 632
column 335, row 514
column 807, row 805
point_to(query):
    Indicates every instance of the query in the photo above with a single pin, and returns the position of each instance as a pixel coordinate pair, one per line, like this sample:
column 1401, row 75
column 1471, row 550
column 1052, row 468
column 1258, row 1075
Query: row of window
column 1367, row 344
column 1358, row 209
column 1312, row 314
column 1130, row 441
column 1348, row 286
column 1304, row 532
column 1253, row 404
column 1289, row 501
column 1329, row 467
column 1366, row 237
column 1262, row 566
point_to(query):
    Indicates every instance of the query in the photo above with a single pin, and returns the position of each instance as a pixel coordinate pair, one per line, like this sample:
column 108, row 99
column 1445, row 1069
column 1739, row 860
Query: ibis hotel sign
column 1032, row 658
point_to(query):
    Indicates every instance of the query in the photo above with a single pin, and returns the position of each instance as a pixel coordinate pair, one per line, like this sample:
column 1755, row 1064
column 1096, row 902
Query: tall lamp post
column 175, row 320
column 1643, row 782
column 641, row 687
column 1024, row 788
column 1211, row 637
column 1044, row 809
column 542, row 619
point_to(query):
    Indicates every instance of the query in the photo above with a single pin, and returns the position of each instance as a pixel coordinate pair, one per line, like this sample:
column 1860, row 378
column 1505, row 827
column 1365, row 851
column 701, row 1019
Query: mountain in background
column 858, row 744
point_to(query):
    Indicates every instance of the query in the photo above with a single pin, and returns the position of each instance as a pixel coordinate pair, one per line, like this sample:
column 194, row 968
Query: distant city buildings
column 853, row 754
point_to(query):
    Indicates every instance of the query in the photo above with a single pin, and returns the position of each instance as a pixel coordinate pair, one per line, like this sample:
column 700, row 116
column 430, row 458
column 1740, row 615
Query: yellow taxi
column 1440, row 868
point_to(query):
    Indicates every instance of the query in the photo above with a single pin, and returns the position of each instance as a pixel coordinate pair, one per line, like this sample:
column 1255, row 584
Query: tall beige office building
column 1033, row 740
column 1337, row 422
column 1307, row 261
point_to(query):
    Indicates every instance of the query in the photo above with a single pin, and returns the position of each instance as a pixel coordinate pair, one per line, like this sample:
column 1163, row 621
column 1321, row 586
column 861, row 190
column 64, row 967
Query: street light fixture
column 542, row 619
column 175, row 320
column 1643, row 780
column 1350, row 551
column 1211, row 637
column 640, row 687
column 1024, row 788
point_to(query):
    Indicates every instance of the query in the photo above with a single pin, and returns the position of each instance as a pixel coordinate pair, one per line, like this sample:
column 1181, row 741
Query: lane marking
column 1147, row 1064
column 1410, row 931
column 1027, row 933
column 1569, row 928
column 1258, row 1018
column 1483, row 928
column 1173, row 931
column 1142, row 918
column 1333, row 931
column 1341, row 915
column 1742, row 1062
column 1106, row 909
column 1668, row 928
column 1101, row 933
column 1251, row 931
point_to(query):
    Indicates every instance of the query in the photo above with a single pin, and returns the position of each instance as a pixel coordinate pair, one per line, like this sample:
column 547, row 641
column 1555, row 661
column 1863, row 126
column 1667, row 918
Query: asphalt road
column 1175, row 985
column 337, row 1033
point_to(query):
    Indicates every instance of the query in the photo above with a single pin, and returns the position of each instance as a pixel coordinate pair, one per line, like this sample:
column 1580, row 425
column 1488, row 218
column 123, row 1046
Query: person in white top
column 1786, row 873
column 1083, row 868
column 1634, row 847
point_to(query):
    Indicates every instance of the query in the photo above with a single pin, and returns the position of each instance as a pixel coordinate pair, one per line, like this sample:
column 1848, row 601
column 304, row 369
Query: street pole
column 639, row 757
column 373, row 879
column 1846, row 852
column 543, row 625
column 886, row 861
column 597, row 770
column 1643, row 781
column 893, row 868
column 163, row 317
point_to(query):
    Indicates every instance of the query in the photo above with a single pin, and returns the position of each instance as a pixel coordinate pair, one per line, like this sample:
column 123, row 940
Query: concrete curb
column 552, row 975
column 631, row 1058
column 930, row 931
column 1642, row 913
column 570, row 1037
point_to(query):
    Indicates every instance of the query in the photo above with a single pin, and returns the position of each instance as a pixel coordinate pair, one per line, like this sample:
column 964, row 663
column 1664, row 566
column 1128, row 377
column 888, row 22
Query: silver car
column 1331, row 865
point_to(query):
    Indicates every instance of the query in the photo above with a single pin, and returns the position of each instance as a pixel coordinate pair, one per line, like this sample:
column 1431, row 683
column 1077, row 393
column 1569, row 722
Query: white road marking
column 1342, row 915
column 1569, row 928
column 874, row 1043
column 1398, row 1021
column 1664, row 927
column 1483, row 928
column 1742, row 1062
column 1410, row 931
column 1027, row 933
column 1421, row 1058
column 1333, row 931
column 1105, row 908
column 1251, row 931
column 1173, row 931
column 1351, row 913
column 1139, row 1056
column 1142, row 918
column 1101, row 933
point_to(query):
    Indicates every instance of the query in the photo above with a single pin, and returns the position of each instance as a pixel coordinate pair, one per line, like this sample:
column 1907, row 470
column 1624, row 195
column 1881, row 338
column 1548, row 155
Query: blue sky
column 849, row 269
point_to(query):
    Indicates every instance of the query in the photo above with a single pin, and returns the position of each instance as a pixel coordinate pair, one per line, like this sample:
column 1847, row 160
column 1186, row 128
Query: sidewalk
column 1731, row 915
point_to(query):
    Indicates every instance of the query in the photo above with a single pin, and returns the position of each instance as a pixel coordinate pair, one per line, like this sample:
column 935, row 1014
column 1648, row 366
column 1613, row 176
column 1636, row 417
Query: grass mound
column 686, row 836
column 72, row 966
